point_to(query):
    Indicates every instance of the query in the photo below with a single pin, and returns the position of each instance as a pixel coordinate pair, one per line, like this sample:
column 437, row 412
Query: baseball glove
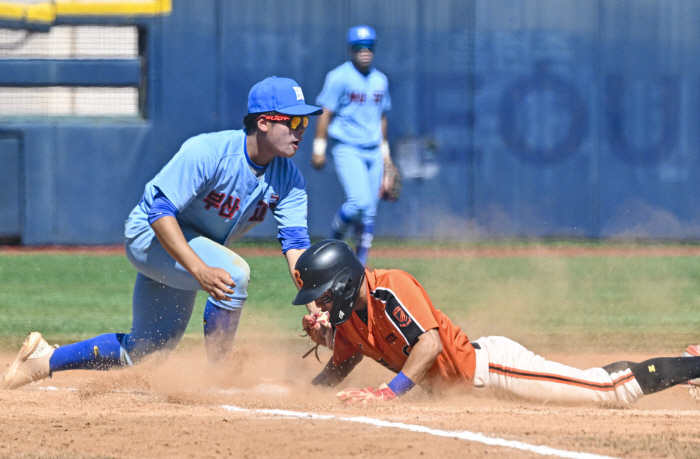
column 318, row 327
column 366, row 396
column 391, row 183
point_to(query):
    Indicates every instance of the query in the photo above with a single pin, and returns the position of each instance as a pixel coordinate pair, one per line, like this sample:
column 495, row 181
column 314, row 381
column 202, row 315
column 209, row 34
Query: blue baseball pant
column 163, row 300
column 360, row 172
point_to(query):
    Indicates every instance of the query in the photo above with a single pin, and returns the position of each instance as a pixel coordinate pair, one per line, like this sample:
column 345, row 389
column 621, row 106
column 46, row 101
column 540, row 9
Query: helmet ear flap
column 342, row 286
column 344, row 294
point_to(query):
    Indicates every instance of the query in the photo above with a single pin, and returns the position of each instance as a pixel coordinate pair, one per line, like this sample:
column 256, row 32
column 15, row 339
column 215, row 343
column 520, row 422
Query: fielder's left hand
column 366, row 396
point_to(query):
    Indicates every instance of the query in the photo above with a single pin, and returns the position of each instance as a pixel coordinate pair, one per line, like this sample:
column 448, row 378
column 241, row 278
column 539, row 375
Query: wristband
column 401, row 384
column 385, row 149
column 320, row 146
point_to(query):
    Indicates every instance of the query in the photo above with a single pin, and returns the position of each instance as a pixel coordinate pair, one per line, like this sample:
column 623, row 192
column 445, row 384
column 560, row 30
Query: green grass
column 574, row 303
column 598, row 303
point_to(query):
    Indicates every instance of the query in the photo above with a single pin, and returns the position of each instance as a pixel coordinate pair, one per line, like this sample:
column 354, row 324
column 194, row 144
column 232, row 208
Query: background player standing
column 214, row 190
column 388, row 316
column 354, row 98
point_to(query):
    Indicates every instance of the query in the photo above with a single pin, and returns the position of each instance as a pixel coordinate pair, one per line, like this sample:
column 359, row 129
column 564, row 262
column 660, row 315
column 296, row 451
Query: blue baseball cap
column 361, row 35
column 281, row 95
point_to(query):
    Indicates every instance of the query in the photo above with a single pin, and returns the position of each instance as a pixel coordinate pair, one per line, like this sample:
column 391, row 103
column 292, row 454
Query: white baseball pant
column 509, row 368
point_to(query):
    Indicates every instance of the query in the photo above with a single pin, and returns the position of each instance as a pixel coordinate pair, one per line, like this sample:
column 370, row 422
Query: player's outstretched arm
column 216, row 282
column 422, row 357
column 333, row 375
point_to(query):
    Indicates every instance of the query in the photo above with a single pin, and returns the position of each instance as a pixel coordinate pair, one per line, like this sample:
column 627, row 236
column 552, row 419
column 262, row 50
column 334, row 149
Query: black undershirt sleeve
column 657, row 374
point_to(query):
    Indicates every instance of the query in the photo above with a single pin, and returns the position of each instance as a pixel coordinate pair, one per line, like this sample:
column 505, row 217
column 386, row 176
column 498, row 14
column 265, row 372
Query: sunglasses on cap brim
column 292, row 121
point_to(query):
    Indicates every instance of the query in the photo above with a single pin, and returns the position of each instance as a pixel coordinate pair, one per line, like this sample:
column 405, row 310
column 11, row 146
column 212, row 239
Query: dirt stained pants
column 511, row 369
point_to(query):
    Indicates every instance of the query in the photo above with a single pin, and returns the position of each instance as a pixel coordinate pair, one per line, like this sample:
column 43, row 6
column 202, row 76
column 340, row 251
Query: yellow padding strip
column 11, row 10
column 151, row 8
column 48, row 11
column 41, row 12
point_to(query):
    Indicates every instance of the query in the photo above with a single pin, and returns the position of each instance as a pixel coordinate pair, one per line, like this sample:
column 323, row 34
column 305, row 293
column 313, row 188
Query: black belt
column 476, row 346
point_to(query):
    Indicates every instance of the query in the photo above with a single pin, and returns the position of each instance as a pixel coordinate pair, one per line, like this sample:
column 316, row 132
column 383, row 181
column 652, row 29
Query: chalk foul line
column 463, row 435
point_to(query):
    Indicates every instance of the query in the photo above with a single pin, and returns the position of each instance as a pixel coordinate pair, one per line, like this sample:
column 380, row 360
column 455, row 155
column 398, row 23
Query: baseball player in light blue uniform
column 213, row 191
column 354, row 98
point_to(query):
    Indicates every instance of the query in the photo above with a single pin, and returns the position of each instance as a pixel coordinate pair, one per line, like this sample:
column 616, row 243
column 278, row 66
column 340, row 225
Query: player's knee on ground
column 160, row 317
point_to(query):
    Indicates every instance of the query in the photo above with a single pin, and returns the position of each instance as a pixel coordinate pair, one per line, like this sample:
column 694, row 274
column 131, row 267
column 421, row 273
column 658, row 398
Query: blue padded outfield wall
column 511, row 118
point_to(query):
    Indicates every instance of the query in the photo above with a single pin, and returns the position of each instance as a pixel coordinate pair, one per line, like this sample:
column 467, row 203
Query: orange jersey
column 398, row 312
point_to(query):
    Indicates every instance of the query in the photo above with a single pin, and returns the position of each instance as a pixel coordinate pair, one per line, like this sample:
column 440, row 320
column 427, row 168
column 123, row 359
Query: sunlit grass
column 564, row 303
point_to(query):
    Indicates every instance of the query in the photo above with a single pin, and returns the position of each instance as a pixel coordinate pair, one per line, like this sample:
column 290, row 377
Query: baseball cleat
column 31, row 364
column 692, row 351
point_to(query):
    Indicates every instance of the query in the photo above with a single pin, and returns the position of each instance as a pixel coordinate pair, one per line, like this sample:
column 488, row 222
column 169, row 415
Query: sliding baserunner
column 388, row 316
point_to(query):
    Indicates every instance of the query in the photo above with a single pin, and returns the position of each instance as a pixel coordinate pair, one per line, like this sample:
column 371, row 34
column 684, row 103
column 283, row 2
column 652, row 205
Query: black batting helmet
column 330, row 265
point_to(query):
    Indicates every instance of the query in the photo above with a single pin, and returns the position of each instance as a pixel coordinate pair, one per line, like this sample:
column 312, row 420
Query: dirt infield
column 175, row 410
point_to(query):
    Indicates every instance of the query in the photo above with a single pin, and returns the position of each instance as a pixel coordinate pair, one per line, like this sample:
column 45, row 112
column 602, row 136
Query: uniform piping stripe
column 522, row 374
column 404, row 308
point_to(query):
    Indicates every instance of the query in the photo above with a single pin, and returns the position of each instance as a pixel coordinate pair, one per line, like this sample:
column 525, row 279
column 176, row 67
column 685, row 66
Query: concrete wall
column 510, row 118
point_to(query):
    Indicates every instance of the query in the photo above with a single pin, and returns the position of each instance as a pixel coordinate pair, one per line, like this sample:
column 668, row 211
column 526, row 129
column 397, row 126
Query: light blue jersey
column 217, row 195
column 358, row 102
